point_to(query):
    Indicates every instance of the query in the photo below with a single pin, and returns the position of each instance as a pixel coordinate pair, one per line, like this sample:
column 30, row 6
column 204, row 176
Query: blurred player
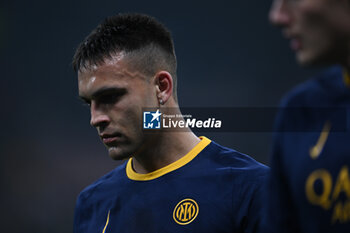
column 310, row 178
column 171, row 181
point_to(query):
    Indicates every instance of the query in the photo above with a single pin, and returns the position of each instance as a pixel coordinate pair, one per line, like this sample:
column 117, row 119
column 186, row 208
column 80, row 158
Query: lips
column 110, row 138
column 295, row 41
column 295, row 44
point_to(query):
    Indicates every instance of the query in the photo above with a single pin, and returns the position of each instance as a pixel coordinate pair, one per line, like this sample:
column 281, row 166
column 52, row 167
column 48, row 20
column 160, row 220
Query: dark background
column 228, row 56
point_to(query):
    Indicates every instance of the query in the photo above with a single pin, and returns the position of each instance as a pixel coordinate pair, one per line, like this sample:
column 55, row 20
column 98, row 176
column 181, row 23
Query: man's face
column 116, row 94
column 317, row 29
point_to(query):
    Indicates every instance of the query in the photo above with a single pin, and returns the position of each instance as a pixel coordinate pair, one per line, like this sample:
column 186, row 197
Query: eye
column 86, row 103
column 110, row 98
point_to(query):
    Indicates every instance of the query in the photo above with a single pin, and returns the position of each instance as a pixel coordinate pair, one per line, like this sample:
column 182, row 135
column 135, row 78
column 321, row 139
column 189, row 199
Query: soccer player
column 310, row 178
column 171, row 181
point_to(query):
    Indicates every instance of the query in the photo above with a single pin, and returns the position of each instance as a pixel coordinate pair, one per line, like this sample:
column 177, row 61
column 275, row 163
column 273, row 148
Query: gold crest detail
column 185, row 211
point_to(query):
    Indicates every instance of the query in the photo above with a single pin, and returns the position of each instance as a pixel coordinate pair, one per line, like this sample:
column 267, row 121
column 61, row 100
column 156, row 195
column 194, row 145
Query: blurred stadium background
column 228, row 56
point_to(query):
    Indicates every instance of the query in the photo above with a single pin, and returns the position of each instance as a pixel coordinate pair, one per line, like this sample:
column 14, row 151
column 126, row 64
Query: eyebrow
column 102, row 91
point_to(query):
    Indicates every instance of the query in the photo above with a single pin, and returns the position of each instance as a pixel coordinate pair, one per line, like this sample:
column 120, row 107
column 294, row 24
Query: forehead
column 114, row 72
column 111, row 66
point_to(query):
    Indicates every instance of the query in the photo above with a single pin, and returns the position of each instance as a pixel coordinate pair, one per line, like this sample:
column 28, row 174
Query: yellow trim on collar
column 346, row 76
column 169, row 168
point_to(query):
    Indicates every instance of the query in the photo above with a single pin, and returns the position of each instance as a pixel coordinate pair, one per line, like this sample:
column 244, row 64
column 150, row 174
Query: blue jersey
column 210, row 189
column 310, row 178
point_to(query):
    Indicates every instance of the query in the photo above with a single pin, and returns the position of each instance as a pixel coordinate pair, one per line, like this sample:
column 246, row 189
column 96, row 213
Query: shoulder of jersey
column 117, row 172
column 315, row 91
column 230, row 158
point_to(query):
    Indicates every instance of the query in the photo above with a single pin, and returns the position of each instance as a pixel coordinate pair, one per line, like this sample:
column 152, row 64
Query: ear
column 164, row 85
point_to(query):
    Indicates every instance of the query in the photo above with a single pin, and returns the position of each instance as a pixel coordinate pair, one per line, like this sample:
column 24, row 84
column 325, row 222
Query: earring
column 160, row 101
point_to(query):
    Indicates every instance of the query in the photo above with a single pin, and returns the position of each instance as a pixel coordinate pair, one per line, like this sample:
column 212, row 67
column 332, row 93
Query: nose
column 279, row 14
column 98, row 115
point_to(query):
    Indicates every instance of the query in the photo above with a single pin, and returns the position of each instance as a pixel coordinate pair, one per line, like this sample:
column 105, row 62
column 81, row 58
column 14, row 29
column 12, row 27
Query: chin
column 316, row 57
column 118, row 153
column 305, row 59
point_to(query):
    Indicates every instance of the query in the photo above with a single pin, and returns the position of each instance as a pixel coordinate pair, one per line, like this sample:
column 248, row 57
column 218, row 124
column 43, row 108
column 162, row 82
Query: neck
column 163, row 151
column 164, row 148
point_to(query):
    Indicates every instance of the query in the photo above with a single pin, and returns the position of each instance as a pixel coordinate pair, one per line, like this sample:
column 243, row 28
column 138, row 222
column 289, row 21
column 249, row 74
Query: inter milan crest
column 185, row 211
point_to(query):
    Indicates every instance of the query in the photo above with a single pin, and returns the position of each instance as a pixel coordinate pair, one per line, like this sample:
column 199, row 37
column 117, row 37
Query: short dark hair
column 145, row 40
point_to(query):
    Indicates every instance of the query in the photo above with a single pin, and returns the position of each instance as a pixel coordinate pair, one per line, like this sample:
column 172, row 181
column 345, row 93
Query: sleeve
column 77, row 216
column 255, row 209
column 247, row 201
column 82, row 215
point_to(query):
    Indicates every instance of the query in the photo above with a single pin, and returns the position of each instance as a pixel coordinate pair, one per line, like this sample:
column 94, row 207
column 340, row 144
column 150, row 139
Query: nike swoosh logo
column 104, row 229
column 316, row 150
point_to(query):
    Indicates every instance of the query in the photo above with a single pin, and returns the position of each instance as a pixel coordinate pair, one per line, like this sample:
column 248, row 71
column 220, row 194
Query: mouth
column 295, row 44
column 109, row 139
column 295, row 40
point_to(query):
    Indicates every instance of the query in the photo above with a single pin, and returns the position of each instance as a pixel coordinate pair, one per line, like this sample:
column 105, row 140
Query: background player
column 172, row 181
column 310, row 185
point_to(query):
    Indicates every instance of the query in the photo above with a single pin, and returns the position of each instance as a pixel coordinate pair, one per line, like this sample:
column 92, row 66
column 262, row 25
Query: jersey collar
column 169, row 168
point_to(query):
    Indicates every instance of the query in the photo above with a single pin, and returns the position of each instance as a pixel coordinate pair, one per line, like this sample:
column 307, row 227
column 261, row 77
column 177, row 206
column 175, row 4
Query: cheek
column 126, row 111
column 315, row 27
column 314, row 14
column 147, row 96
column 310, row 20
